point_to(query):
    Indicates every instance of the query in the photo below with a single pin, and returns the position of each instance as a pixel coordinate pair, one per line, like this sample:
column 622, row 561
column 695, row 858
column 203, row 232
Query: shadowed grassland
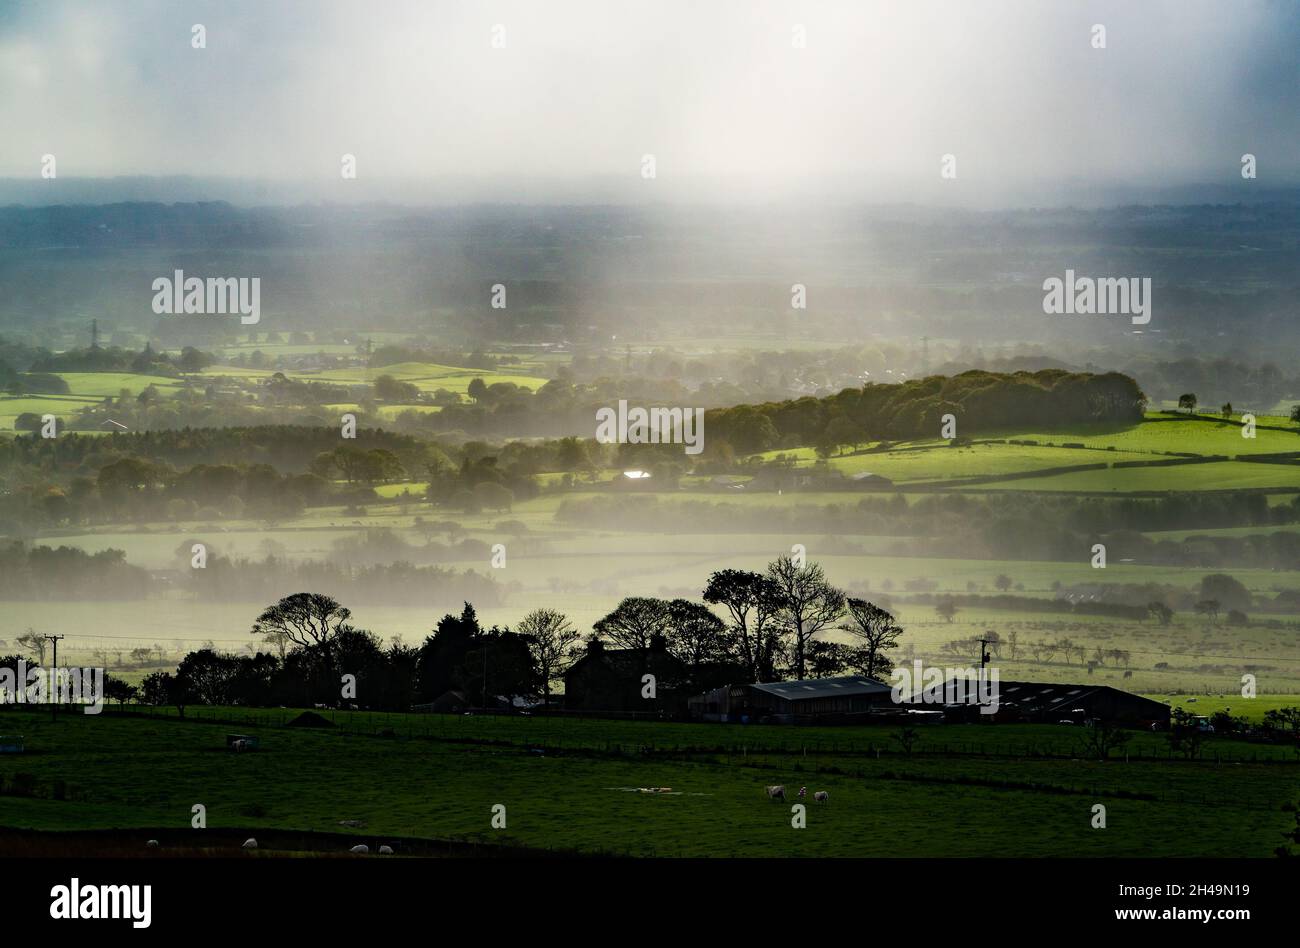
column 583, row 794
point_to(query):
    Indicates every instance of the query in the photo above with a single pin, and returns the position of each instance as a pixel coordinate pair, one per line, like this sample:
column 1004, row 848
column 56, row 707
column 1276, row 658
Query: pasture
column 576, row 785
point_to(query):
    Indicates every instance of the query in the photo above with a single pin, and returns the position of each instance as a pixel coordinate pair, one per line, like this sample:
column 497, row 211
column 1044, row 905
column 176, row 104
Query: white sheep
column 250, row 843
column 776, row 793
column 360, row 849
column 152, row 844
column 385, row 850
column 821, row 796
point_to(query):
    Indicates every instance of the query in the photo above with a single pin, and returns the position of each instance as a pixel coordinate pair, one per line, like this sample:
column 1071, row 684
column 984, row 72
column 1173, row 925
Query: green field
column 1220, row 475
column 426, row 376
column 574, row 785
column 1204, row 435
column 61, row 406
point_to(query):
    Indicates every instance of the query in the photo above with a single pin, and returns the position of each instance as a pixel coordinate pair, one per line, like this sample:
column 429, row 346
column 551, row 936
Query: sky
column 719, row 92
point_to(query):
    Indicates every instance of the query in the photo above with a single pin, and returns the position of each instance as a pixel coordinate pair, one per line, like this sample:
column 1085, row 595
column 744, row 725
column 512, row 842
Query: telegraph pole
column 54, row 677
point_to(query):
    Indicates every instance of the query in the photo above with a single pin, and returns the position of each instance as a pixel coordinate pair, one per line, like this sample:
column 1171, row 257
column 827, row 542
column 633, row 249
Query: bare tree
column 551, row 640
column 808, row 603
column 35, row 643
column 876, row 630
column 278, row 641
column 1100, row 738
column 907, row 738
column 752, row 602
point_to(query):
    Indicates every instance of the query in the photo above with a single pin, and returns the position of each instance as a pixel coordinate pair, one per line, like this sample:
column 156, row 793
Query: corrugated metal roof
column 823, row 687
column 1038, row 696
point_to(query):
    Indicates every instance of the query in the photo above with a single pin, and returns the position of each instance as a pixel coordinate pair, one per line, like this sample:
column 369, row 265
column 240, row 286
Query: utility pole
column 94, row 334
column 54, row 677
column 984, row 654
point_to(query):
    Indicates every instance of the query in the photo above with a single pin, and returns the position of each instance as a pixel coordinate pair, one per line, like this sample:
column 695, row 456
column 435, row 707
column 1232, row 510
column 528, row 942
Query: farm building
column 823, row 698
column 868, row 479
column 610, row 679
column 1055, row 703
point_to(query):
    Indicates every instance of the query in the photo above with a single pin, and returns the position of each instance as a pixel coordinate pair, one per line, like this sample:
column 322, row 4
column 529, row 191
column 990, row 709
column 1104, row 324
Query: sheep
column 385, row 850
column 250, row 843
column 238, row 746
column 776, row 793
column 821, row 796
column 152, row 844
column 360, row 849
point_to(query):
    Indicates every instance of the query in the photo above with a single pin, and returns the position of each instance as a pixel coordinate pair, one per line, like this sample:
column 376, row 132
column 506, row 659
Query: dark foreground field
column 429, row 785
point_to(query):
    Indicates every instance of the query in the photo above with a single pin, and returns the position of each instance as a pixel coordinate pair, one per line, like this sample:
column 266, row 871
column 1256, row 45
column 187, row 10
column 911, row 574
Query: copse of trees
column 65, row 572
column 981, row 401
column 117, row 359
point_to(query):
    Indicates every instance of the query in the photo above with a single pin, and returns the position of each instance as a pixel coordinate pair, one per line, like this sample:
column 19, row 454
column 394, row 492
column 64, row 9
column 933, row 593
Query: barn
column 1056, row 703
column 788, row 701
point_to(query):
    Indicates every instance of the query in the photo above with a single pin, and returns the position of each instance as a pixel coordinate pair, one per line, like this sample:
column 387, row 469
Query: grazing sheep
column 237, row 746
column 385, row 850
column 821, row 796
column 152, row 844
column 776, row 793
column 250, row 843
column 360, row 849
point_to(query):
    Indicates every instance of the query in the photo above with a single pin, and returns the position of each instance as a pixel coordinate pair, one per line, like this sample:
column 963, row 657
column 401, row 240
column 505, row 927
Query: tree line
column 768, row 626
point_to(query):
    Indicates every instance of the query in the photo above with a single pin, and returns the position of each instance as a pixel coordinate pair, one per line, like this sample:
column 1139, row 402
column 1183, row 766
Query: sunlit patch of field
column 65, row 407
column 1215, row 475
column 1209, row 436
column 111, row 383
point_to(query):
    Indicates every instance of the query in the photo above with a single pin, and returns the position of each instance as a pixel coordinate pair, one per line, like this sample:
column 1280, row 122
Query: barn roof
column 1039, row 696
column 823, row 687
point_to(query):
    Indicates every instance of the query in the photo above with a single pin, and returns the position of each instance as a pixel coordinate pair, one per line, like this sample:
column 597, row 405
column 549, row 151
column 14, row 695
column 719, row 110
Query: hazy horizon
column 723, row 97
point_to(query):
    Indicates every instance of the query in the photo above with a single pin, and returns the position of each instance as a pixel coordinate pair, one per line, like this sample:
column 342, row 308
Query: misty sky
column 715, row 90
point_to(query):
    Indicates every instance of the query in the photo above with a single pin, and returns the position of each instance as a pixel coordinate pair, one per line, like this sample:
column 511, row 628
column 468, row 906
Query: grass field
column 426, row 376
column 1221, row 475
column 61, row 406
column 964, row 791
column 1202, row 435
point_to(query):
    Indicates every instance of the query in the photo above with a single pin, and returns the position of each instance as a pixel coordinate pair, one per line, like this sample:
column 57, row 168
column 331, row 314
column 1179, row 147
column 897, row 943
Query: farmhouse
column 788, row 701
column 612, row 679
column 1054, row 703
